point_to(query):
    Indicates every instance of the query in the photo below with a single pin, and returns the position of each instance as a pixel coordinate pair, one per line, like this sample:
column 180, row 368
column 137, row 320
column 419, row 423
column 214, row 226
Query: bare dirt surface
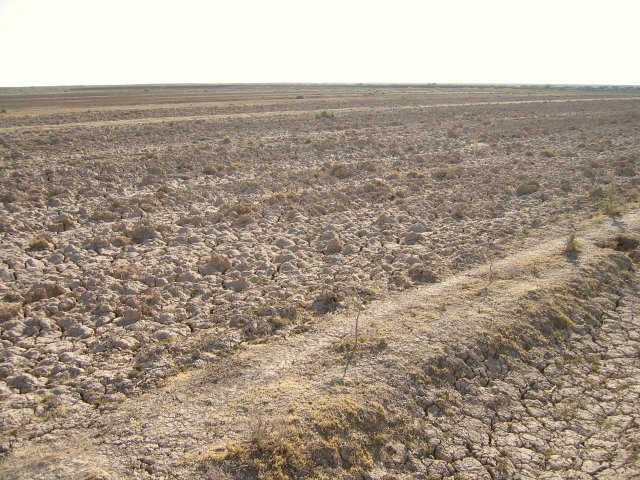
column 182, row 272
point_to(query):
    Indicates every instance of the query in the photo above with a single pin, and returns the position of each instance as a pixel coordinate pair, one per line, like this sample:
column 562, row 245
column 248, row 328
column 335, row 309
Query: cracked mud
column 181, row 273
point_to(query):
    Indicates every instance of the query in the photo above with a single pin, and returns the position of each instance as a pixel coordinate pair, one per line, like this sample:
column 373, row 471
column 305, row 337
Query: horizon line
column 329, row 84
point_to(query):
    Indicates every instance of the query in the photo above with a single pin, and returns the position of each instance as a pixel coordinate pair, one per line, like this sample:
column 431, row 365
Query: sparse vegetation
column 325, row 114
column 143, row 231
column 219, row 262
column 40, row 242
column 333, row 432
column 210, row 170
column 125, row 272
column 447, row 173
column 612, row 203
column 264, row 433
column 9, row 311
column 527, row 188
column 367, row 343
column 572, row 247
column 546, row 153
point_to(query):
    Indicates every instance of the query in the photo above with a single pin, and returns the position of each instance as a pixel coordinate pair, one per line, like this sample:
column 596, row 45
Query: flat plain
column 292, row 281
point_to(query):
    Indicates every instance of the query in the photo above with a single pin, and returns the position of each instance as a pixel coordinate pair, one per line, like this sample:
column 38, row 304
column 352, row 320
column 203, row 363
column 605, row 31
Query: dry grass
column 366, row 343
column 527, row 188
column 337, row 437
column 101, row 215
column 95, row 474
column 448, row 173
column 220, row 262
column 612, row 203
column 278, row 197
column 572, row 247
column 40, row 242
column 210, row 170
column 9, row 311
column 126, row 271
column 325, row 114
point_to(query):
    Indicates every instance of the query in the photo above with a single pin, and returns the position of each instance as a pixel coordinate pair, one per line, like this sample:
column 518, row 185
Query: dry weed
column 612, row 203
column 572, row 247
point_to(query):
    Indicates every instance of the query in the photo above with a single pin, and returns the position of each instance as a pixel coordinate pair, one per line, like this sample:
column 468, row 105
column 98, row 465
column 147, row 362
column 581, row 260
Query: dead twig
column 354, row 349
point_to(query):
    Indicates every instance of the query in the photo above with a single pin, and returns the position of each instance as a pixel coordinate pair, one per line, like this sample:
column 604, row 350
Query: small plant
column 9, row 311
column 527, row 188
column 612, row 203
column 447, row 173
column 142, row 231
column 94, row 473
column 572, row 246
column 353, row 350
column 325, row 114
column 263, row 433
column 458, row 212
column 126, row 271
column 210, row 170
column 3, row 110
column 40, row 242
column 453, row 133
column 503, row 465
column 547, row 153
column 551, row 452
column 217, row 263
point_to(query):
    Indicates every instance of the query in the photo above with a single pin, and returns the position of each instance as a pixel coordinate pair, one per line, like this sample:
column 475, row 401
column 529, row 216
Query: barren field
column 349, row 282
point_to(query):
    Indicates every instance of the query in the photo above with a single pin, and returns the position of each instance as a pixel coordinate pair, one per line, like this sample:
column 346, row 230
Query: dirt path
column 143, row 121
column 163, row 430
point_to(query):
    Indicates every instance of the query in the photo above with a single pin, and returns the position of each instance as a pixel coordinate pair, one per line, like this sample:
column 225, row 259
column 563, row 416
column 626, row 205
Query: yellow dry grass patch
column 337, row 436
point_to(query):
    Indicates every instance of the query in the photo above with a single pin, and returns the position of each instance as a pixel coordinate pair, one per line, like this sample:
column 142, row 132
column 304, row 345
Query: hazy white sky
column 71, row 42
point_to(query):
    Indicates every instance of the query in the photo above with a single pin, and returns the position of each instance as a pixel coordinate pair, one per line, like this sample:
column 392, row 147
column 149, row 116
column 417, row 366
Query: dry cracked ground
column 319, row 282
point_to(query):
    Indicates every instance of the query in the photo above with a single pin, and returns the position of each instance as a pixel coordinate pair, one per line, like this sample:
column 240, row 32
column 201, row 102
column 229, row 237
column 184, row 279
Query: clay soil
column 357, row 282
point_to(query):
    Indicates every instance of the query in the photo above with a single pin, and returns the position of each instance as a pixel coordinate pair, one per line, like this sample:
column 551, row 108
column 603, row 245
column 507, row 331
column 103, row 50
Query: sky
column 98, row 42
